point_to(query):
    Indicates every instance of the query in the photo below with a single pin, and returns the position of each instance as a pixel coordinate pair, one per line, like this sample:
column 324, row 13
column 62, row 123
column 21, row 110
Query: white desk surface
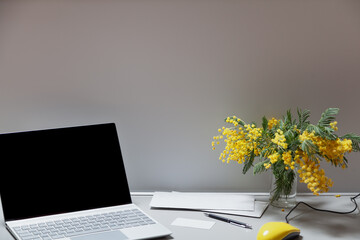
column 312, row 224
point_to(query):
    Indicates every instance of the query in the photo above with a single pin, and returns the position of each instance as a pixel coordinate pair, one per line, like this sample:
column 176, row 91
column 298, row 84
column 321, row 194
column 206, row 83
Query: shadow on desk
column 342, row 226
column 164, row 238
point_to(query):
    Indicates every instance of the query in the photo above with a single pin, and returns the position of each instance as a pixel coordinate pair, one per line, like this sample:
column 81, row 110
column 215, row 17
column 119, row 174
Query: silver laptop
column 69, row 183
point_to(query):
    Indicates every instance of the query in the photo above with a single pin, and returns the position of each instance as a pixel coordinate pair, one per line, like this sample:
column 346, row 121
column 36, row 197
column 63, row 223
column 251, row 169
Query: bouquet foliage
column 288, row 146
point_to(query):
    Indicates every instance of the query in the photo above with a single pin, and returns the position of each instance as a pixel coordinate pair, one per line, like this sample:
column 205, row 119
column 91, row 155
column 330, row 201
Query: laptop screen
column 61, row 170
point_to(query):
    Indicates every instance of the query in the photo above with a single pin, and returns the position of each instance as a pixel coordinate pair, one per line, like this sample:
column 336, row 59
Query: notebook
column 69, row 183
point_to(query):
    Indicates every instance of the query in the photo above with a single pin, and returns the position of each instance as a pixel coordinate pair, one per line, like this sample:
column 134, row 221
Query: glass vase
column 283, row 196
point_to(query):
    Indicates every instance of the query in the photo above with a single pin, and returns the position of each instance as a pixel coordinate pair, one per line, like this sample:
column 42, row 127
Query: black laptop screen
column 61, row 170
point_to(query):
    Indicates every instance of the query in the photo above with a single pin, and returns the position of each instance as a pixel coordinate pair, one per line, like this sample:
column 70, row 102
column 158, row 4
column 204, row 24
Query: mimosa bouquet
column 287, row 147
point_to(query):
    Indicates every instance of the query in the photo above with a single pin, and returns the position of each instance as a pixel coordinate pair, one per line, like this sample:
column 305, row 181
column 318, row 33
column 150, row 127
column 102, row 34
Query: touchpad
column 113, row 235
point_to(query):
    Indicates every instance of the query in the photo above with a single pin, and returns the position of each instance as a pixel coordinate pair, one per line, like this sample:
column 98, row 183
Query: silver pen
column 228, row 220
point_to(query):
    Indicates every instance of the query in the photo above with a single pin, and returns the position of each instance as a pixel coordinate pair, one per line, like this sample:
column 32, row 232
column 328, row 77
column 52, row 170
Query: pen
column 228, row 220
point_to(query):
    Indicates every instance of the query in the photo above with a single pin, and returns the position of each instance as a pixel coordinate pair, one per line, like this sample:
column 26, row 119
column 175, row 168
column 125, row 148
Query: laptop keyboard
column 75, row 226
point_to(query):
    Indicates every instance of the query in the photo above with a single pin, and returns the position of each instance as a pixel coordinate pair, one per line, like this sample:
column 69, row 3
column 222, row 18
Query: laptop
column 69, row 183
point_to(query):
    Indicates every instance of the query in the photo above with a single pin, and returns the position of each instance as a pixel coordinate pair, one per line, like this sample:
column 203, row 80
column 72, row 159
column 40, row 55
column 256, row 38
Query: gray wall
column 168, row 73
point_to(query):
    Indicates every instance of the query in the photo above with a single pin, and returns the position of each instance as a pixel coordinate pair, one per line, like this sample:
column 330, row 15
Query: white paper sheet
column 260, row 208
column 203, row 201
column 186, row 222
